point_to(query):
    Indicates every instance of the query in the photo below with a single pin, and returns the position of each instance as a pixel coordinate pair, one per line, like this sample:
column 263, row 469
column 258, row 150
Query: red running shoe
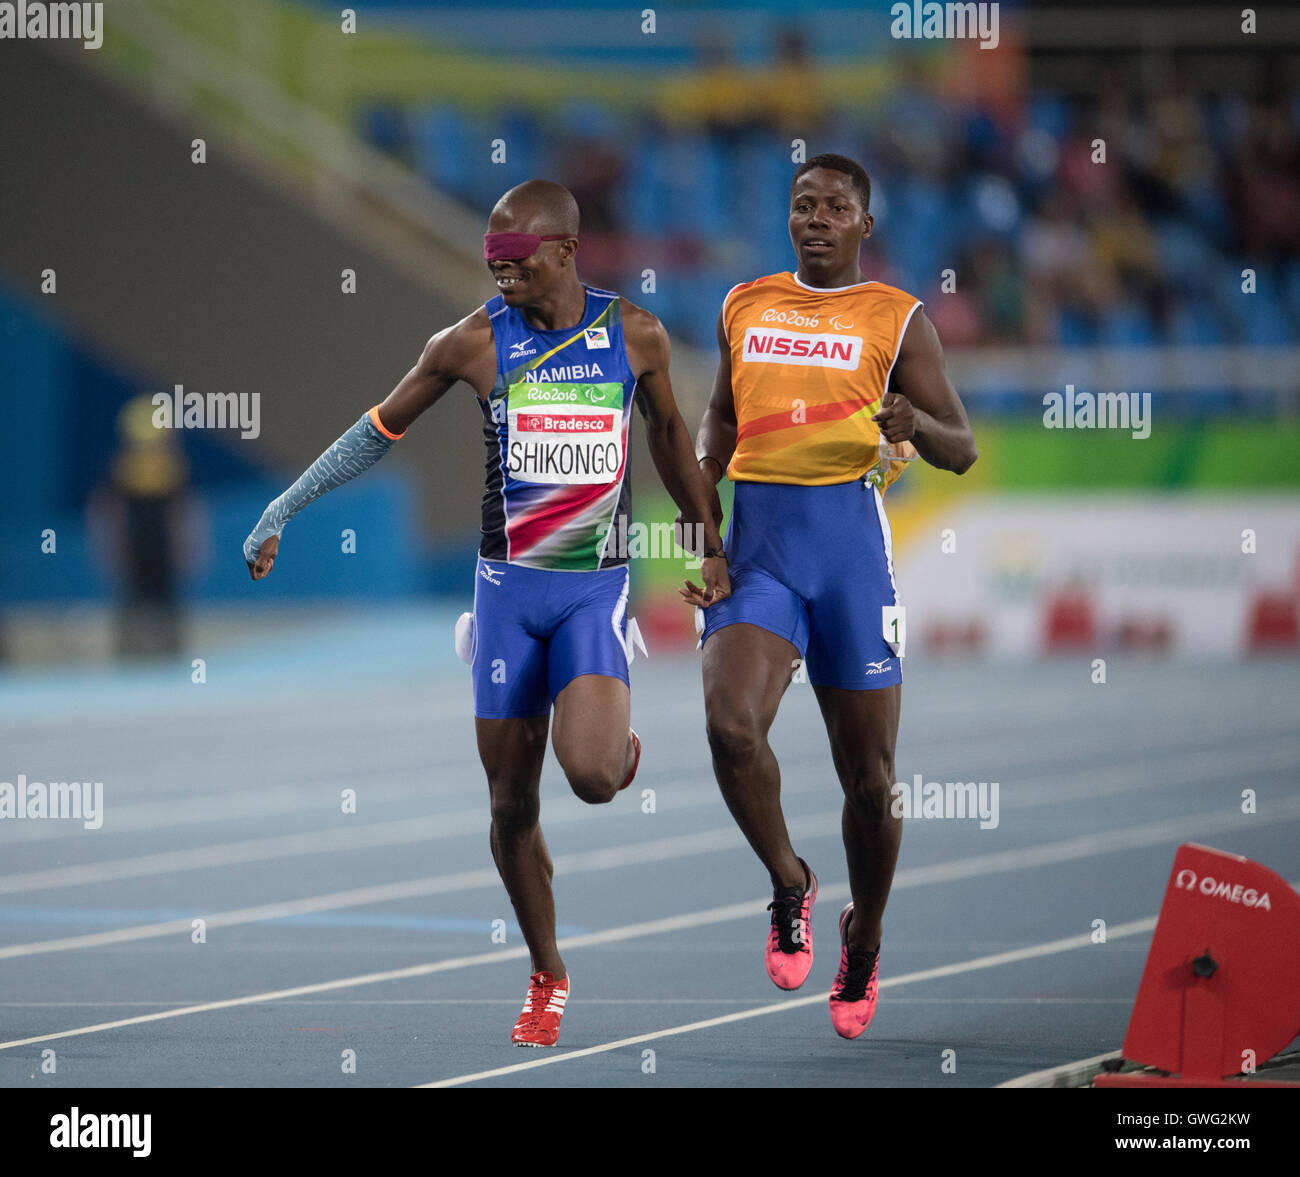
column 789, row 953
column 853, row 996
column 539, row 1024
column 636, row 763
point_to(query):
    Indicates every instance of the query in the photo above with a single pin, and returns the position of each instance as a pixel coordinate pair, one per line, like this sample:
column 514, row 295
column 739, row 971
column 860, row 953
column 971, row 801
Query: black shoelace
column 787, row 915
column 857, row 975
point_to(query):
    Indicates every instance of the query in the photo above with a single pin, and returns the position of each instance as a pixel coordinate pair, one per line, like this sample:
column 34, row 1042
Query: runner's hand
column 897, row 418
column 717, row 584
column 265, row 558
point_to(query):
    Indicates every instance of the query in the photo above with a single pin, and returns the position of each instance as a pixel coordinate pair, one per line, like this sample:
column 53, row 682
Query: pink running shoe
column 636, row 763
column 853, row 996
column 539, row 1024
column 789, row 953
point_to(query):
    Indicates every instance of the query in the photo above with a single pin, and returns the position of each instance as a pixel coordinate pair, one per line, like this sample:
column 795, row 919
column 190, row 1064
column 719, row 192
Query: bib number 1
column 893, row 627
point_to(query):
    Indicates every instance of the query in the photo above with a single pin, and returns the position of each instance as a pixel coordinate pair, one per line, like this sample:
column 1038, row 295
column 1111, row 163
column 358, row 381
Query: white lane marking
column 635, row 853
column 683, row 846
column 639, row 1002
column 232, row 804
column 674, row 923
column 1084, row 846
column 1031, row 952
column 350, row 837
column 294, row 766
column 1119, row 779
column 274, row 995
column 169, row 809
column 1177, row 769
column 1063, row 1075
column 344, row 837
column 626, row 932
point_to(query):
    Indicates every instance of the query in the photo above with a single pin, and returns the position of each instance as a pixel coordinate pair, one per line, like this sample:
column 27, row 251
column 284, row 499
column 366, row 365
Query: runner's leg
column 587, row 661
column 863, row 730
column 512, row 751
column 591, row 735
column 746, row 672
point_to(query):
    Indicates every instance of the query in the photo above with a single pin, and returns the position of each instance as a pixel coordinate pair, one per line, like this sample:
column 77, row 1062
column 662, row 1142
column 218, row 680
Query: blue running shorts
column 815, row 565
column 536, row 630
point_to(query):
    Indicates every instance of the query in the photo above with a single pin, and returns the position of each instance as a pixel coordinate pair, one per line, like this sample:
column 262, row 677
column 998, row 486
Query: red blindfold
column 498, row 247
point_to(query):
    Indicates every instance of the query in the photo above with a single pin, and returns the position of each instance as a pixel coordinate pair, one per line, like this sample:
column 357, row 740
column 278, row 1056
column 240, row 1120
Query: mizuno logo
column 521, row 349
column 490, row 574
column 881, row 667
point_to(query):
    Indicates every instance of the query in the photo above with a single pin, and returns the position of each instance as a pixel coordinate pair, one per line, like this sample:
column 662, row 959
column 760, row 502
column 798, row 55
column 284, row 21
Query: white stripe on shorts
column 888, row 537
column 616, row 618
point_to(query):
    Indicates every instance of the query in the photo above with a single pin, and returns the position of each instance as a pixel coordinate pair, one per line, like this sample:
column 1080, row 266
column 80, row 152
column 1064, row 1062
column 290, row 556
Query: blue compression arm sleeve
column 357, row 450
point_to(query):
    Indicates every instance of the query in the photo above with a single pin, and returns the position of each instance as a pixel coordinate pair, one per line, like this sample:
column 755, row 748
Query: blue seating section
column 706, row 207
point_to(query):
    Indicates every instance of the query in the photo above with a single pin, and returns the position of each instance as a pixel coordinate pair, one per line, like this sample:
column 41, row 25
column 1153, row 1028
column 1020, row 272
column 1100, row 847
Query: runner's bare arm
column 460, row 352
column 454, row 354
column 717, row 437
column 670, row 441
column 921, row 405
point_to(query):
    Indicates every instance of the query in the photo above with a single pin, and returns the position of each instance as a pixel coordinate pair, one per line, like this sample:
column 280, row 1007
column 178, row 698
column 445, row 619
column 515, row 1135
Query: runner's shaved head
column 538, row 206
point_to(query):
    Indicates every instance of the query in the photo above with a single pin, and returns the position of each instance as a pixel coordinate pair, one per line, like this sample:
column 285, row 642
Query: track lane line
column 1061, row 1076
column 675, row 923
column 434, row 826
column 666, row 849
column 942, row 872
column 993, row 960
column 1082, row 940
column 630, row 854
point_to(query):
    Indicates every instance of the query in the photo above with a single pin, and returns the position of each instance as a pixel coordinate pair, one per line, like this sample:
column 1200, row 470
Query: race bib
column 565, row 433
column 893, row 627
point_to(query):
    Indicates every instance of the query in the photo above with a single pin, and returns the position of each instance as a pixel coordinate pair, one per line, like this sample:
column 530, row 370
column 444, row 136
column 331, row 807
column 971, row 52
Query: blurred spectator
column 1087, row 181
column 956, row 316
column 1266, row 184
column 789, row 92
column 1000, row 292
column 143, row 521
column 1066, row 248
column 718, row 96
column 1126, row 249
column 592, row 170
column 1061, row 272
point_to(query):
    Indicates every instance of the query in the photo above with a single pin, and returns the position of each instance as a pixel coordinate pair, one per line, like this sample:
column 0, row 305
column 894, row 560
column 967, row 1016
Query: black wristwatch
column 714, row 553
